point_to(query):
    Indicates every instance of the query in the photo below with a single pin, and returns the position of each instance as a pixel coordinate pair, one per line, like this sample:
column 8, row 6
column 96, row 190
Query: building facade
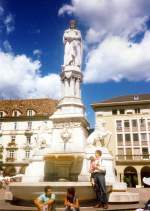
column 24, row 126
column 128, row 120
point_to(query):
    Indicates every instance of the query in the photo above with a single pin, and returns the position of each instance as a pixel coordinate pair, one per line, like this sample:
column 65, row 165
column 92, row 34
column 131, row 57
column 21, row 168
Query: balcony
column 144, row 142
column 135, row 158
column 119, row 129
column 135, row 143
column 143, row 128
column 12, row 146
column 128, row 143
column 127, row 129
column 10, row 159
column 134, row 129
column 28, row 132
column 120, row 143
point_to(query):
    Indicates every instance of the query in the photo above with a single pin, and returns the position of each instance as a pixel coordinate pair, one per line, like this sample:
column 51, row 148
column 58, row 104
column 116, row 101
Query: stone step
column 124, row 197
column 5, row 206
column 2, row 194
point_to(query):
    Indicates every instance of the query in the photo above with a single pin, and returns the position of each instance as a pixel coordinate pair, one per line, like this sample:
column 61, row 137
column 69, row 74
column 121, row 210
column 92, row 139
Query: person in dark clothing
column 147, row 205
column 71, row 201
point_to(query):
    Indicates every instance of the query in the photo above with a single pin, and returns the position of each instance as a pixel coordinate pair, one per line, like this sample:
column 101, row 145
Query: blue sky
column 116, row 47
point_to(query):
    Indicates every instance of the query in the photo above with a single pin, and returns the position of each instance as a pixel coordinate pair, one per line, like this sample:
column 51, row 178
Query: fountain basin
column 65, row 166
column 54, row 167
column 29, row 191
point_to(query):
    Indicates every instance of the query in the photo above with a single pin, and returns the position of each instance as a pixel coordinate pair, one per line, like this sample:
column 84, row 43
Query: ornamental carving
column 66, row 136
column 67, row 125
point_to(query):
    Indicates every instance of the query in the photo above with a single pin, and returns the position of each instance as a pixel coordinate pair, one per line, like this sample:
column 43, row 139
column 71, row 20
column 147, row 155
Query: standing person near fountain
column 99, row 178
column 71, row 201
column 45, row 202
column 92, row 168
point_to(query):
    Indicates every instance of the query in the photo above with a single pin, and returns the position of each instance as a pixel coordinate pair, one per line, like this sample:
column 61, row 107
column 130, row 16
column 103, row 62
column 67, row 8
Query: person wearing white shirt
column 99, row 177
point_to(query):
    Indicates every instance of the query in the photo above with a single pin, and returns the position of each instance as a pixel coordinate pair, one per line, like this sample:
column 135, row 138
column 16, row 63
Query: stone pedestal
column 69, row 132
column 34, row 172
column 69, row 135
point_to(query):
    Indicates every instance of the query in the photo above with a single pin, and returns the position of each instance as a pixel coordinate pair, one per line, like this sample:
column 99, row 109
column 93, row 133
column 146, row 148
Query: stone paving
column 6, row 206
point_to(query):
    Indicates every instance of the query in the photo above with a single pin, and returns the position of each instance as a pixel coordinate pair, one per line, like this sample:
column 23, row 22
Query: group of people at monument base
column 46, row 201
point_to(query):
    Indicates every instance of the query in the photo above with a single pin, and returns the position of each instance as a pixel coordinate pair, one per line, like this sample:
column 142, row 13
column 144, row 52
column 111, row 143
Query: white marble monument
column 69, row 122
column 65, row 156
column 69, row 131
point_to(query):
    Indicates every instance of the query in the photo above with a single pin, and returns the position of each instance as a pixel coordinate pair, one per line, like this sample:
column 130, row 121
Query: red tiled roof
column 128, row 98
column 42, row 107
column 120, row 100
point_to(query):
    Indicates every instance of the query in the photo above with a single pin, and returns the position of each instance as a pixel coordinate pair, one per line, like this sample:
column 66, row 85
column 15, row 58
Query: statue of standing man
column 73, row 46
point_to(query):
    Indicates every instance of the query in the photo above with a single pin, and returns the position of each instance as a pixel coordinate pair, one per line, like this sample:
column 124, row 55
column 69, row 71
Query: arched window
column 10, row 171
column 130, row 176
column 145, row 172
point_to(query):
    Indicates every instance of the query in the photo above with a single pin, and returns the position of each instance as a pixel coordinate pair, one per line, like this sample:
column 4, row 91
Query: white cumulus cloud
column 111, row 27
column 117, row 58
column 125, row 17
column 21, row 78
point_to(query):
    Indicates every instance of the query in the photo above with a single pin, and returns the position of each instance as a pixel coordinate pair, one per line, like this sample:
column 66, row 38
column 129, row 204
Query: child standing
column 92, row 169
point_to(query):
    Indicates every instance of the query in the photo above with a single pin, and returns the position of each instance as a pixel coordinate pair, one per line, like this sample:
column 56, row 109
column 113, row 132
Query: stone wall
column 144, row 193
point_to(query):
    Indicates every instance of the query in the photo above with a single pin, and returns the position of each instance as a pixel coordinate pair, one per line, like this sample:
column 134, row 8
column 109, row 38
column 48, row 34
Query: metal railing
column 133, row 157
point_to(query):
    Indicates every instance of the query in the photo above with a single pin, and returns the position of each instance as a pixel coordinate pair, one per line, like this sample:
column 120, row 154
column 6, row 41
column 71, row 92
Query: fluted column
column 62, row 89
column 66, row 84
column 77, row 88
column 72, row 86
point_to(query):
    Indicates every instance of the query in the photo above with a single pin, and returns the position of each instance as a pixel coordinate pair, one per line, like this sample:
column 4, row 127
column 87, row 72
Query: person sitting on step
column 71, row 202
column 46, row 201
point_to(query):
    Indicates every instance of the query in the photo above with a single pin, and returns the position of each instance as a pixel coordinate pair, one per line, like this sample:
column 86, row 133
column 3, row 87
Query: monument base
column 34, row 172
column 29, row 191
column 123, row 197
column 84, row 190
